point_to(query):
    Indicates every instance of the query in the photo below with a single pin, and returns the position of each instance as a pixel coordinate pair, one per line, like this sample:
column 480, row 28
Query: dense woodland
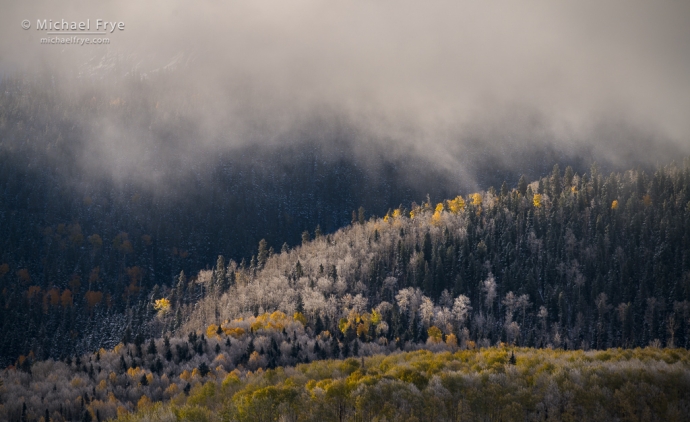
column 567, row 262
column 491, row 384
column 86, row 233
column 81, row 248
column 581, row 262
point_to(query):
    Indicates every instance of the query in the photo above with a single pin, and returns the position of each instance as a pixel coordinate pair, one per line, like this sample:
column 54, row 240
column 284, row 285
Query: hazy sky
column 434, row 77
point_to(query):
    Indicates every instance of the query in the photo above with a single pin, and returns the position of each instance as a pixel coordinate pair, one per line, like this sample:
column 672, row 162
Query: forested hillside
column 103, row 196
column 492, row 384
column 581, row 262
column 81, row 248
column 567, row 262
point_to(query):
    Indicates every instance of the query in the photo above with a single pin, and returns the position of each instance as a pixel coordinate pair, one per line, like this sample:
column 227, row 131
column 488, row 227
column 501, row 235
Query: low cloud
column 458, row 84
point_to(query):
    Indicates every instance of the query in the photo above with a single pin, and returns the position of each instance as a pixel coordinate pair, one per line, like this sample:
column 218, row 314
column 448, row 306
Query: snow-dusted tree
column 489, row 289
column 446, row 299
column 510, row 303
column 443, row 318
column 461, row 309
column 408, row 300
column 426, row 311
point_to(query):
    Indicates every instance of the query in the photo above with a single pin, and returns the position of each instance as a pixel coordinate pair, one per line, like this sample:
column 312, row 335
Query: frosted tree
column 461, row 309
column 426, row 311
column 489, row 289
column 408, row 300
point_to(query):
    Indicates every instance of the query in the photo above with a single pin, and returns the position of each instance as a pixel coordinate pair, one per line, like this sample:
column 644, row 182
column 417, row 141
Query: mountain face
column 103, row 197
column 572, row 261
column 567, row 262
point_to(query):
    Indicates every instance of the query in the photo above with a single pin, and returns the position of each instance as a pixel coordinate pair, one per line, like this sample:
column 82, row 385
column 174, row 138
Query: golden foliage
column 614, row 204
column 163, row 306
column 343, row 325
column 235, row 332
column 456, row 205
column 436, row 218
column 77, row 382
column 212, row 331
column 477, row 199
column 416, row 210
column 254, row 357
column 375, row 317
column 435, row 334
column 298, row 316
column 134, row 373
column 477, row 384
column 186, row 375
column 144, row 402
column 172, row 390
column 537, row 200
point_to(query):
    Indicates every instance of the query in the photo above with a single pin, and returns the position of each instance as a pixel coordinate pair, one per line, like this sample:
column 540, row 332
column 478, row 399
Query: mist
column 464, row 87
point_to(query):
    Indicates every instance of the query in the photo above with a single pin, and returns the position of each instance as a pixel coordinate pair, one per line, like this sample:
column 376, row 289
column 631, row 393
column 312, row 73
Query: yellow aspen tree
column 162, row 305
column 144, row 402
column 436, row 218
column 477, row 199
column 298, row 316
column 456, row 205
column 212, row 331
column 435, row 334
column 537, row 200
